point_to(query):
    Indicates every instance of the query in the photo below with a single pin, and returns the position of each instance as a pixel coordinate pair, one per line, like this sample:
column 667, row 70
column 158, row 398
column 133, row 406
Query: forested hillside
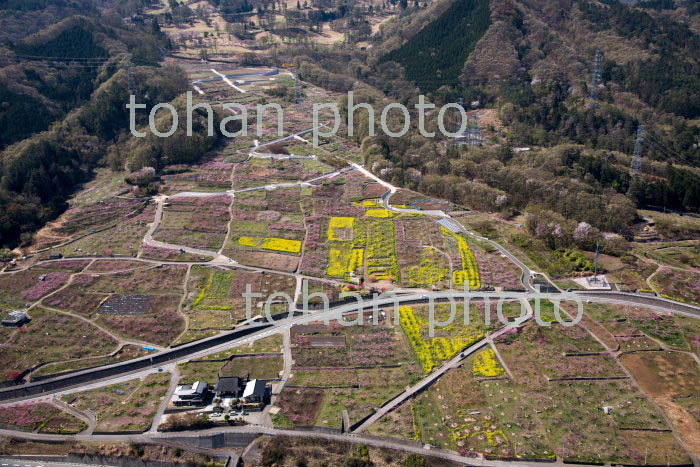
column 532, row 70
column 73, row 76
column 435, row 56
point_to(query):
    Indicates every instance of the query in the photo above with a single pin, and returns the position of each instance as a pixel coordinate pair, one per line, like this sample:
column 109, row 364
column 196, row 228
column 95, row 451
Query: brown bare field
column 667, row 376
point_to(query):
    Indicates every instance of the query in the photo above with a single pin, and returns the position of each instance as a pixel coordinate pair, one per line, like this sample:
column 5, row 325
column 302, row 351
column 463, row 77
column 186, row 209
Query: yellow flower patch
column 433, row 350
column 470, row 268
column 369, row 203
column 357, row 259
column 486, row 364
column 248, row 241
column 381, row 213
column 282, row 244
column 337, row 267
column 339, row 223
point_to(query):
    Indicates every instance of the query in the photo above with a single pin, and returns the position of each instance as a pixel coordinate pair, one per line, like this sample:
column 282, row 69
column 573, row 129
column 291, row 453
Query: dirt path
column 158, row 417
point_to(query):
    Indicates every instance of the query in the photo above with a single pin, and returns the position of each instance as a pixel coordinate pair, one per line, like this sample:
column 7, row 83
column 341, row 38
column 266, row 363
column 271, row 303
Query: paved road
column 32, row 462
column 379, row 442
column 657, row 303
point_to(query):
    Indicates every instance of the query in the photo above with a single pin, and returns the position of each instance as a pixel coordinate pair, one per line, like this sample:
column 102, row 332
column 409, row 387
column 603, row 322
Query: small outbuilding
column 16, row 319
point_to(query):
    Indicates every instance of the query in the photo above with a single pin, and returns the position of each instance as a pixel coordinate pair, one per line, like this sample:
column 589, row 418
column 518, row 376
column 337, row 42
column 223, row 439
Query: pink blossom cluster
column 217, row 165
column 292, row 227
column 83, row 280
column 26, row 415
column 53, row 281
column 154, row 252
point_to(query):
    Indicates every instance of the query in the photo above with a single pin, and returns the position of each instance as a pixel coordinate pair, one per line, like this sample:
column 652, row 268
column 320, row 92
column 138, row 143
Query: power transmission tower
column 475, row 132
column 636, row 166
column 463, row 137
column 597, row 76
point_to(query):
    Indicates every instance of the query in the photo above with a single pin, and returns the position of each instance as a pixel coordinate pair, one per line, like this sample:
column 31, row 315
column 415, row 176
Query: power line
column 670, row 152
column 46, row 57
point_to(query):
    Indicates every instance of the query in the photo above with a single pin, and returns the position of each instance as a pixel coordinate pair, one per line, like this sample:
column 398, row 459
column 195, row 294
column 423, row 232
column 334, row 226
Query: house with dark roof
column 190, row 394
column 255, row 391
column 229, row 386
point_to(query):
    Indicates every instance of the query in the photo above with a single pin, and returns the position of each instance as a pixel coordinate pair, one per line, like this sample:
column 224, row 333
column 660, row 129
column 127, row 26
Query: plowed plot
column 378, row 386
column 298, row 406
column 210, row 176
column 111, row 211
column 348, row 346
column 171, row 254
column 551, row 348
column 43, row 417
column 51, row 337
column 160, row 279
column 66, row 265
column 159, row 324
column 664, row 373
column 670, row 378
column 258, row 367
column 496, row 270
column 421, row 259
column 260, row 172
column 196, row 222
column 215, row 298
column 106, row 265
column 467, row 421
column 267, row 229
column 128, row 406
column 637, row 328
column 679, row 285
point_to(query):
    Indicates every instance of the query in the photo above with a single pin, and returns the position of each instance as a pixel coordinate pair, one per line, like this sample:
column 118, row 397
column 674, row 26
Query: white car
column 216, row 414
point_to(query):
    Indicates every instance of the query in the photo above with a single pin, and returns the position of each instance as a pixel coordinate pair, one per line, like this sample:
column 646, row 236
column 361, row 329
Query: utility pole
column 597, row 255
column 636, row 166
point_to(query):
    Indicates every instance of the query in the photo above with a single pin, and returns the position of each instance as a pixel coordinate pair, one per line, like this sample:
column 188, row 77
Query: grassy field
column 128, row 406
column 51, row 337
column 267, row 367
